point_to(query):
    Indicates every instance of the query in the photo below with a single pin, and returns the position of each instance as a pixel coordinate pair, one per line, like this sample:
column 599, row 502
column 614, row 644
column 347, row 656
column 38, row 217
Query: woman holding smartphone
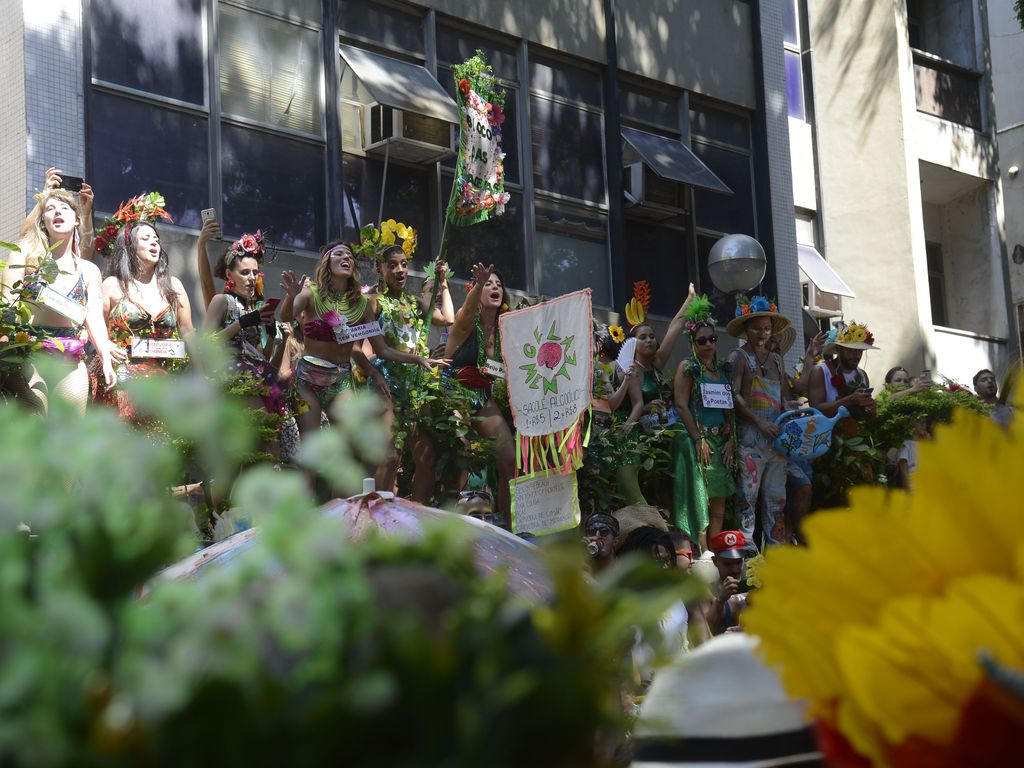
column 240, row 318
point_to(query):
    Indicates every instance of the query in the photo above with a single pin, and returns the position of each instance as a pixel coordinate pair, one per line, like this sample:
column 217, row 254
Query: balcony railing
column 947, row 90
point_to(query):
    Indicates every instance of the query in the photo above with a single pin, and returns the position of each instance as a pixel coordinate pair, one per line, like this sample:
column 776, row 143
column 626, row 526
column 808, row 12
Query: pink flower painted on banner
column 549, row 355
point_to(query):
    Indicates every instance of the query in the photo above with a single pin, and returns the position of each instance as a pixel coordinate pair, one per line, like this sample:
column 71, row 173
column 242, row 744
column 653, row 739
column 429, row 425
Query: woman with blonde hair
column 51, row 277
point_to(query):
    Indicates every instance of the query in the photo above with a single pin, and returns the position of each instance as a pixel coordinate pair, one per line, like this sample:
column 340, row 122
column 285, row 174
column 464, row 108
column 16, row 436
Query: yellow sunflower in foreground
column 617, row 334
column 902, row 621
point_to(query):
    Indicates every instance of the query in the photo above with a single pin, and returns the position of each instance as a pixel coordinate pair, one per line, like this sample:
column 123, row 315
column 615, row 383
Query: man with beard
column 760, row 392
column 986, row 388
column 841, row 381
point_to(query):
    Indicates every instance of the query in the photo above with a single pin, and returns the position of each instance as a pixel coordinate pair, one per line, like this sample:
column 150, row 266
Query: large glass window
column 497, row 241
column 272, row 183
column 138, row 147
column 568, row 150
column 305, row 10
column 565, row 81
column 795, row 85
column 151, row 47
column 382, row 24
column 660, row 255
column 734, row 213
column 572, row 248
column 407, row 198
column 269, row 71
column 455, row 45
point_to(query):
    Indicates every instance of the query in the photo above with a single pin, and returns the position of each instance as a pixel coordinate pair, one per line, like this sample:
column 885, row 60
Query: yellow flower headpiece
column 373, row 241
column 636, row 309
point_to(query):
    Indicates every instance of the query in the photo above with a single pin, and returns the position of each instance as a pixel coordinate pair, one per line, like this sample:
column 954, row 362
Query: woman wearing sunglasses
column 705, row 453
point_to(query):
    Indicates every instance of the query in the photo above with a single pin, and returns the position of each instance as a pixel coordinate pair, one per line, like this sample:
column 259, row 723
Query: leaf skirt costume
column 249, row 371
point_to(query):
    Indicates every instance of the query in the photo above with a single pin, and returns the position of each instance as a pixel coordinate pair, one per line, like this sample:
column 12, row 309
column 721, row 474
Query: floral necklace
column 340, row 303
column 402, row 323
column 842, row 386
column 481, row 346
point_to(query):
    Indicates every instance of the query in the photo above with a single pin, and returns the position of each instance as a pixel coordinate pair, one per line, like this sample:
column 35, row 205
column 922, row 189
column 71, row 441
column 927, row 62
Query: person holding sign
column 402, row 322
column 474, row 346
column 336, row 314
column 148, row 315
column 50, row 277
column 705, row 454
column 240, row 318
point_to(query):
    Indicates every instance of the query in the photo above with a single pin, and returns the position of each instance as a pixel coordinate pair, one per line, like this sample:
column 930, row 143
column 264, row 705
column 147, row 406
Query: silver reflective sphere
column 737, row 263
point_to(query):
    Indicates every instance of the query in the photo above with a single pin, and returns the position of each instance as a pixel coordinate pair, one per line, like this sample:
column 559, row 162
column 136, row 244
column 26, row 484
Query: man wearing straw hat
column 842, row 381
column 761, row 393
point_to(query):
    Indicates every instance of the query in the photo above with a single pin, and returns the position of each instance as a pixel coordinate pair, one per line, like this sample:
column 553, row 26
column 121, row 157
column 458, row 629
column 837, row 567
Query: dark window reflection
column 720, row 125
column 456, row 45
column 568, row 82
column 659, row 255
column 568, row 150
column 390, row 26
column 734, row 213
column 407, row 199
column 498, row 241
column 153, row 47
column 272, row 184
column 572, row 249
column 138, row 147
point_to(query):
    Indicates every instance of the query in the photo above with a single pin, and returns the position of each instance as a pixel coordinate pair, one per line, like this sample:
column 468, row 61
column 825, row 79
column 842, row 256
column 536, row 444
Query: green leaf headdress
column 700, row 314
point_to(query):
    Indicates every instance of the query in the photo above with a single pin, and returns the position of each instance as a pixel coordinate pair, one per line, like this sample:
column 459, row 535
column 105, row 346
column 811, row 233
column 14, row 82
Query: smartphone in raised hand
column 208, row 214
column 72, row 183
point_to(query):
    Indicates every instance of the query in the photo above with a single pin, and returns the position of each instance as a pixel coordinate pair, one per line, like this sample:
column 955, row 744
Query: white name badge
column 61, row 304
column 165, row 349
column 494, row 368
column 346, row 333
column 716, row 395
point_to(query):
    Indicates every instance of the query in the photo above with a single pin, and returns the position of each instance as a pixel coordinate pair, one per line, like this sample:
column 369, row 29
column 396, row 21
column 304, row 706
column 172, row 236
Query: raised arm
column 296, row 297
column 803, row 384
column 465, row 318
column 675, row 327
column 210, row 230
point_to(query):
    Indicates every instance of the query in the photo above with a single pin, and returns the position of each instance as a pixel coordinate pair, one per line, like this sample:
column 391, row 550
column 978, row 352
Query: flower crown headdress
column 141, row 209
column 373, row 241
column 699, row 314
column 248, row 245
column 746, row 306
column 636, row 309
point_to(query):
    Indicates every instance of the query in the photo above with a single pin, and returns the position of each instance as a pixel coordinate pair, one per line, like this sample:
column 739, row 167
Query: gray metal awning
column 820, row 272
column 401, row 85
column 671, row 159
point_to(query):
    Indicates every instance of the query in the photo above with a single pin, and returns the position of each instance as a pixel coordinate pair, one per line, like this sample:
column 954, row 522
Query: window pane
column 730, row 214
column 153, row 47
column 407, row 199
column 720, row 125
column 509, row 132
column 270, row 70
column 568, row 150
column 659, row 255
column 306, row 10
column 790, row 23
column 382, row 24
column 641, row 106
column 496, row 241
column 272, row 184
column 794, row 85
column 564, row 80
column 136, row 147
column 573, row 253
column 457, row 45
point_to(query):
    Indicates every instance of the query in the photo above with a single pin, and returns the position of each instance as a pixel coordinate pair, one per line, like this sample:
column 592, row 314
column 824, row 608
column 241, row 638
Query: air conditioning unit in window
column 820, row 304
column 405, row 136
column 651, row 197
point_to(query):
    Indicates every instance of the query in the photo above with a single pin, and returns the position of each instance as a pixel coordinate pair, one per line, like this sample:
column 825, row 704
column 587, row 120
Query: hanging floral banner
column 549, row 366
column 479, row 190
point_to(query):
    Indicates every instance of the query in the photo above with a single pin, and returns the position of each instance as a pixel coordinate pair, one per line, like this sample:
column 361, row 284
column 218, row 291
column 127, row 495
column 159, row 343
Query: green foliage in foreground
column 302, row 651
column 896, row 415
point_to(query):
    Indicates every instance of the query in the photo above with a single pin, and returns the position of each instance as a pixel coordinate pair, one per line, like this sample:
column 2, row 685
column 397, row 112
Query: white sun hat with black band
column 720, row 706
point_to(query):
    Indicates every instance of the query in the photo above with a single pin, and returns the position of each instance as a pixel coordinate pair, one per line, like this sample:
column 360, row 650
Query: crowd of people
column 106, row 303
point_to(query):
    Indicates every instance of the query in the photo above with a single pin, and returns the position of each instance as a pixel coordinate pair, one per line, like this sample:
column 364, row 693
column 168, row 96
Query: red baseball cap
column 729, row 544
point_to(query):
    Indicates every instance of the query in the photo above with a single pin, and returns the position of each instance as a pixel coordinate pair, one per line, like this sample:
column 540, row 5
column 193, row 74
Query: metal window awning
column 670, row 159
column 820, row 272
column 401, row 85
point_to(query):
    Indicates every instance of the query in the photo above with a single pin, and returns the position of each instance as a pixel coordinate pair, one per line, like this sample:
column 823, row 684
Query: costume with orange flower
column 911, row 650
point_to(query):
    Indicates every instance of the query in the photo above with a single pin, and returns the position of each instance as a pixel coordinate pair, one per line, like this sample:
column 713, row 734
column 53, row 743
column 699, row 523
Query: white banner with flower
column 546, row 349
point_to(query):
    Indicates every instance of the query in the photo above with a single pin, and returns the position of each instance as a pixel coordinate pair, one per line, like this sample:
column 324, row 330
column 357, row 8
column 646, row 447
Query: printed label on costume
column 164, row 349
column 61, row 304
column 545, row 502
column 348, row 333
column 494, row 368
column 716, row 395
